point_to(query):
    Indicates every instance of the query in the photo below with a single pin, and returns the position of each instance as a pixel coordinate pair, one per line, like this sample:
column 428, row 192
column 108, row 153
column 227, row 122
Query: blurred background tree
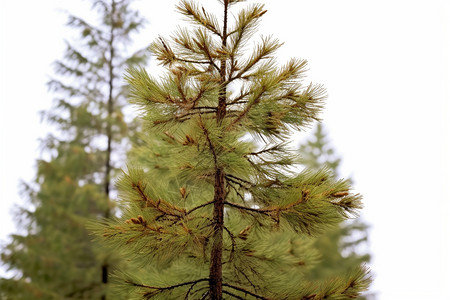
column 54, row 256
column 342, row 247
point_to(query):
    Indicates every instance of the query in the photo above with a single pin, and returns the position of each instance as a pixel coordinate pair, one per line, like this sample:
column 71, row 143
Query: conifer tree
column 55, row 258
column 338, row 247
column 209, row 212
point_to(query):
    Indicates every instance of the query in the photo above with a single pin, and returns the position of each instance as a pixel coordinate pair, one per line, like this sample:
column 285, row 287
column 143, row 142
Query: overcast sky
column 385, row 64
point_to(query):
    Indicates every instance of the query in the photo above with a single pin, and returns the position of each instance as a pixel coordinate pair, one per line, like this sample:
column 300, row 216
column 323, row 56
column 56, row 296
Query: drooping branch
column 198, row 207
column 239, row 181
column 210, row 144
column 246, row 208
column 186, row 297
column 246, row 277
column 236, row 189
column 233, row 243
column 247, row 292
column 158, row 289
column 232, row 295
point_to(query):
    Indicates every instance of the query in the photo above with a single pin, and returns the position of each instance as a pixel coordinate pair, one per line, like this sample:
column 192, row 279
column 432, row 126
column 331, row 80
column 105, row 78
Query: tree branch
column 190, row 9
column 200, row 206
column 203, row 62
column 255, row 210
column 211, row 146
column 233, row 243
column 246, row 277
column 190, row 289
column 237, row 288
column 232, row 295
column 159, row 289
column 236, row 190
column 247, row 109
column 162, row 206
column 233, row 178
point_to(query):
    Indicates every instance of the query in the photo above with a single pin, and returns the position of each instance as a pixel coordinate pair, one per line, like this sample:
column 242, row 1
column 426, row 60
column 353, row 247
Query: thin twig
column 247, row 109
column 190, row 290
column 255, row 210
column 233, row 243
column 236, row 190
column 246, row 277
column 237, row 288
column 192, row 61
column 240, row 179
column 211, row 146
column 200, row 206
column 232, row 295
column 230, row 180
column 159, row 288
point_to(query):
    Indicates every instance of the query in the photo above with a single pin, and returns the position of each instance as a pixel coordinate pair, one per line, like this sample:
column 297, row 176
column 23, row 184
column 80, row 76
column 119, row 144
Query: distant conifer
column 55, row 258
column 343, row 247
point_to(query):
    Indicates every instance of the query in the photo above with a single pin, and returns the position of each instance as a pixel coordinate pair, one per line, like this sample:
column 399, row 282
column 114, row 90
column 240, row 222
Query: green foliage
column 338, row 246
column 209, row 213
column 55, row 257
column 316, row 152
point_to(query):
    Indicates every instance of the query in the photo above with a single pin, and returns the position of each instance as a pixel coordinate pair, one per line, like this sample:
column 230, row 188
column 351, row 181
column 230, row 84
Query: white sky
column 385, row 64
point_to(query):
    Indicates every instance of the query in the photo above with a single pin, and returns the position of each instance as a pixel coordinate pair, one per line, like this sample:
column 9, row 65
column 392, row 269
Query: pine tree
column 209, row 212
column 55, row 258
column 338, row 247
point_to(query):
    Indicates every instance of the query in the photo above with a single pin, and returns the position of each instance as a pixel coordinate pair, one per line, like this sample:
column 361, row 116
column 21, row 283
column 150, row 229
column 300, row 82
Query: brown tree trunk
column 215, row 268
column 109, row 135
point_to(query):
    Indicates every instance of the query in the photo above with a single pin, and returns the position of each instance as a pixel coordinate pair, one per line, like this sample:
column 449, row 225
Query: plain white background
column 385, row 65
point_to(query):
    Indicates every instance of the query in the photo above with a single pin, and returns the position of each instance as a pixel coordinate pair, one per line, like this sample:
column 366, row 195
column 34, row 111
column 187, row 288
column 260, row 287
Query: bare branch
column 159, row 289
column 211, row 146
column 254, row 210
column 237, row 288
column 240, row 179
column 232, row 295
column 233, row 243
column 198, row 207
column 236, row 190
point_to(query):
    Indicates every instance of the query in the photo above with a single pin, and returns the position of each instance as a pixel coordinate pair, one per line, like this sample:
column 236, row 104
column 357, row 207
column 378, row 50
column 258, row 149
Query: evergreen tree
column 209, row 213
column 316, row 152
column 338, row 246
column 56, row 258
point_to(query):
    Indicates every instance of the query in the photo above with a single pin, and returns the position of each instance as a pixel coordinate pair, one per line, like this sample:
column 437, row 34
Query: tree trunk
column 215, row 269
column 105, row 273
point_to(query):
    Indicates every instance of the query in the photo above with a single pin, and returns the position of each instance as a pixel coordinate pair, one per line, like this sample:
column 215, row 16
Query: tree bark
column 215, row 269
column 109, row 135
